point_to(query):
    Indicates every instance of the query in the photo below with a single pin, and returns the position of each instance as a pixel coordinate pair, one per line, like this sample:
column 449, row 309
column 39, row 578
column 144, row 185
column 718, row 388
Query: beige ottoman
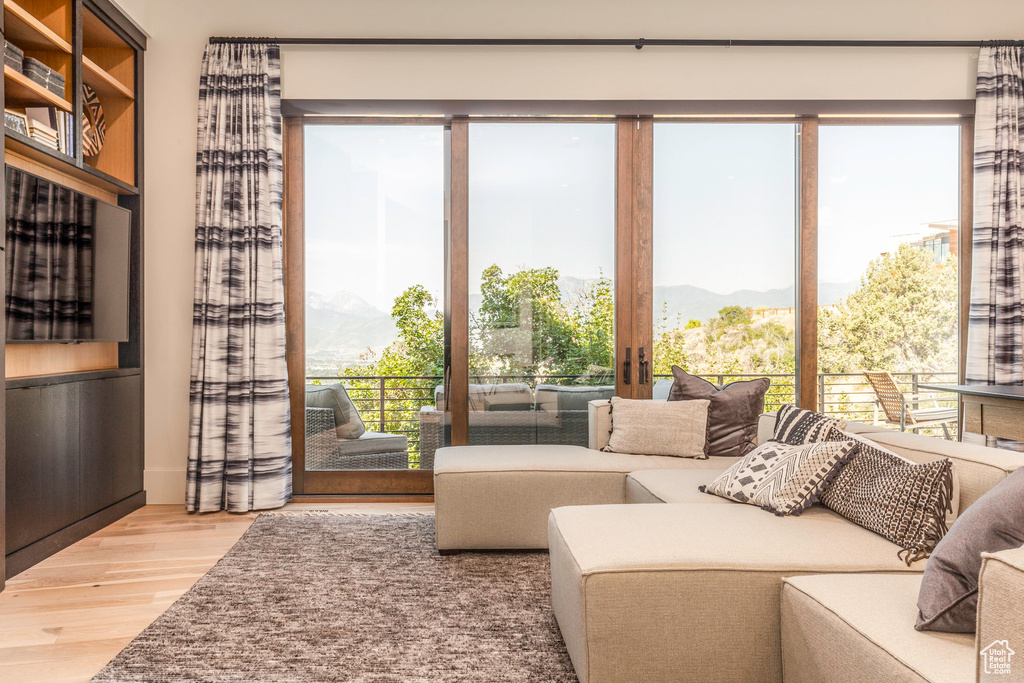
column 672, row 592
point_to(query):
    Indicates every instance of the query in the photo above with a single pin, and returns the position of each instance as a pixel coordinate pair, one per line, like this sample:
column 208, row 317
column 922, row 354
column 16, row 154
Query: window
column 725, row 198
column 888, row 284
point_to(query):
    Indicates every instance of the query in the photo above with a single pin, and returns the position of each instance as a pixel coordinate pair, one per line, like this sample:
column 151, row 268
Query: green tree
column 901, row 318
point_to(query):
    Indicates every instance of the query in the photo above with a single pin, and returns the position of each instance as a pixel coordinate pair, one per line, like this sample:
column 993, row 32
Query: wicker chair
column 371, row 451
column 902, row 409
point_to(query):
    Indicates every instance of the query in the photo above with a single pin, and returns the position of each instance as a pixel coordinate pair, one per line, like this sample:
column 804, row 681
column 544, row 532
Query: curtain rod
column 638, row 43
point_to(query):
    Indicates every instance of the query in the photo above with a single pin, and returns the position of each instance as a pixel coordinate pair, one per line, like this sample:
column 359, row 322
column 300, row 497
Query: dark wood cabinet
column 111, row 442
column 74, row 452
column 43, row 464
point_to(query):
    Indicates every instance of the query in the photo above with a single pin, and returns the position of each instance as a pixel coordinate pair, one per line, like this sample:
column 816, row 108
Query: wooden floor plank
column 64, row 619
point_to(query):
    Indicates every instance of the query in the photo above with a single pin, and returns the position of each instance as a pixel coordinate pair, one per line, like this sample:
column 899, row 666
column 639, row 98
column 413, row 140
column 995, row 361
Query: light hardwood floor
column 65, row 618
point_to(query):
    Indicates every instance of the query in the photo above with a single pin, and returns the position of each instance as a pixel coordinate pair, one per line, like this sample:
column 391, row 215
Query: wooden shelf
column 102, row 82
column 20, row 90
column 29, row 148
column 22, row 29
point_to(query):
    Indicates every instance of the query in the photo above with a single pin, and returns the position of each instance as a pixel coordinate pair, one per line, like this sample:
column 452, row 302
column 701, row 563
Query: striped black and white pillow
column 797, row 426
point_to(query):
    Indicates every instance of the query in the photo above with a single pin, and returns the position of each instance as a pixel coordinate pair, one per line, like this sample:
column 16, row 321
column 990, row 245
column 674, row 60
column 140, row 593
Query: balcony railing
column 392, row 403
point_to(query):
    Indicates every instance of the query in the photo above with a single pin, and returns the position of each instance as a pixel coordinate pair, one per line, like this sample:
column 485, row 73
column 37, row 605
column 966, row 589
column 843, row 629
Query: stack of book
column 50, row 127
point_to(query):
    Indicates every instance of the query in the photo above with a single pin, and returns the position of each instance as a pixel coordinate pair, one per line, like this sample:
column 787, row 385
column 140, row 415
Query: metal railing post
column 821, row 393
column 381, row 405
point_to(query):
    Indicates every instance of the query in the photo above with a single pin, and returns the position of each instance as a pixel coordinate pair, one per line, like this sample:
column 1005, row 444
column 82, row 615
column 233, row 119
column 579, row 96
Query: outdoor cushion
column 508, row 396
column 551, row 397
column 373, row 442
column 499, row 497
column 836, row 624
column 668, row 592
column 673, row 486
column 347, row 423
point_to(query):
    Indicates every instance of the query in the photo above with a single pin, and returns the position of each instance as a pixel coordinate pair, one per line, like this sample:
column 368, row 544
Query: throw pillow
column 347, row 423
column 796, row 426
column 904, row 501
column 733, row 413
column 948, row 600
column 659, row 428
column 783, row 478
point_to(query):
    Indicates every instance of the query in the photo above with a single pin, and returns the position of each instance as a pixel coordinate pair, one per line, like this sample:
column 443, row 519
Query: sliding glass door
column 541, row 261
column 454, row 281
column 374, row 287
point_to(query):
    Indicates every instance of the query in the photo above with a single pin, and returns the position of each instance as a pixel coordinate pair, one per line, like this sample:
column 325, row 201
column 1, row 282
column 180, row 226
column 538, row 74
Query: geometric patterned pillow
column 904, row 501
column 796, row 426
column 783, row 478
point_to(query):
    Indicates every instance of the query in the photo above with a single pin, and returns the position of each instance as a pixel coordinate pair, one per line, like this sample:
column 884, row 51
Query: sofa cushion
column 733, row 413
column 676, row 428
column 499, row 497
column 697, row 584
column 781, row 478
column 766, row 427
column 347, row 423
column 673, row 486
column 829, row 630
column 949, row 592
column 1000, row 617
column 797, row 426
column 905, row 501
column 978, row 468
column 497, row 396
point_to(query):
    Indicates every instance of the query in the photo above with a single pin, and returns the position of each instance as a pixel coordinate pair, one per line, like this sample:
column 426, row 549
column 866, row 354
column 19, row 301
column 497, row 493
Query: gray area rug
column 339, row 598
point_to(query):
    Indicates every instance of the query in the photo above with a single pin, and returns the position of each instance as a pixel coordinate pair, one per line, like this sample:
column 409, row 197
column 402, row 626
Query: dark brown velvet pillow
column 733, row 413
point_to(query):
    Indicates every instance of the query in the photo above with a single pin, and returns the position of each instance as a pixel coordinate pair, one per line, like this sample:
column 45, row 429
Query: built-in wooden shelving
column 22, row 91
column 23, row 29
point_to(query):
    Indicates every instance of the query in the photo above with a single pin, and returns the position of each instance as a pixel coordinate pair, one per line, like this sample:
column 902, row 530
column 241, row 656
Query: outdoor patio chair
column 336, row 438
column 904, row 409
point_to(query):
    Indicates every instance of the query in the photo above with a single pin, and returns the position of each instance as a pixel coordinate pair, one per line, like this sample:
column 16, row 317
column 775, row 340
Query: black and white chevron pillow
column 783, row 478
column 796, row 426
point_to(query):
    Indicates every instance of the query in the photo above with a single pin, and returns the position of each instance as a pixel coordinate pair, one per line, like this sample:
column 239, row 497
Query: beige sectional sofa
column 654, row 581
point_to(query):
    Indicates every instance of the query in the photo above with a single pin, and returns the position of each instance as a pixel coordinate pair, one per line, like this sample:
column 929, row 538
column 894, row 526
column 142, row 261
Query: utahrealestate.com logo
column 996, row 657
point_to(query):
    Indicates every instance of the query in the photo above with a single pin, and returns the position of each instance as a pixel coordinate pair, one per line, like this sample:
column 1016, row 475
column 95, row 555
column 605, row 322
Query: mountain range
column 341, row 327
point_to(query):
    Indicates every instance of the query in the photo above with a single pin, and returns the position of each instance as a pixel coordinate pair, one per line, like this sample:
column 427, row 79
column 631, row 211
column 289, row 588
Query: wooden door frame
column 634, row 256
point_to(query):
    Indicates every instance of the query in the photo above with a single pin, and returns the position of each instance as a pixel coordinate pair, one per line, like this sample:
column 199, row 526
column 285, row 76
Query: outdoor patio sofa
column 652, row 580
column 513, row 414
column 337, row 439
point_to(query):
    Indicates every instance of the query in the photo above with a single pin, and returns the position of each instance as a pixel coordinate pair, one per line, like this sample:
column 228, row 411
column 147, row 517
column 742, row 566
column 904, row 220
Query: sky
column 542, row 194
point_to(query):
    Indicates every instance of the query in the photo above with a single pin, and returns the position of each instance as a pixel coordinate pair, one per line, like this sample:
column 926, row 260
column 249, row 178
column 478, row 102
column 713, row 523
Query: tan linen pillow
column 676, row 428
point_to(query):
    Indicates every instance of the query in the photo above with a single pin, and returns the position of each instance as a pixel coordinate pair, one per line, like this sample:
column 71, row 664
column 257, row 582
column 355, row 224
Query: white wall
column 179, row 30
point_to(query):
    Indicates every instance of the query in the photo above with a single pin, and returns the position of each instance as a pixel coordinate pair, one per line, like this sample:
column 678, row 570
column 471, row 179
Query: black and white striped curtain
column 239, row 431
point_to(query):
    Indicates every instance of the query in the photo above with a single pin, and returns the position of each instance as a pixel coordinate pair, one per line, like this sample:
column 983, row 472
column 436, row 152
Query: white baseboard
column 165, row 487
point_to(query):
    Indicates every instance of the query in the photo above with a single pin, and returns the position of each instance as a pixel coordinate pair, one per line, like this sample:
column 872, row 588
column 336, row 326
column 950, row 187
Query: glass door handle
column 627, row 367
column 644, row 371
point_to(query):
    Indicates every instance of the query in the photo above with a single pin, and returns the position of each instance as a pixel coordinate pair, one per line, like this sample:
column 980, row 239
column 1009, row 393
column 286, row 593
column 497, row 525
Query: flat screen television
column 67, row 257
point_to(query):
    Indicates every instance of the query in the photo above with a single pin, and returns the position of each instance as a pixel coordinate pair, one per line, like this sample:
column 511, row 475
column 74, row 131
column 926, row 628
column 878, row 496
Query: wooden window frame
column 633, row 264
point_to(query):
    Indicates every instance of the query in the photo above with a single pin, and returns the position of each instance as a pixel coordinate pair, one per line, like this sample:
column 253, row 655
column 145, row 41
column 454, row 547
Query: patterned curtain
column 995, row 340
column 49, row 253
column 995, row 350
column 239, row 431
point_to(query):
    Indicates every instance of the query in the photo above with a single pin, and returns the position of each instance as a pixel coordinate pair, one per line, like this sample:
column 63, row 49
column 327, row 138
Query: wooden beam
column 807, row 269
column 457, row 396
column 295, row 292
column 643, row 252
